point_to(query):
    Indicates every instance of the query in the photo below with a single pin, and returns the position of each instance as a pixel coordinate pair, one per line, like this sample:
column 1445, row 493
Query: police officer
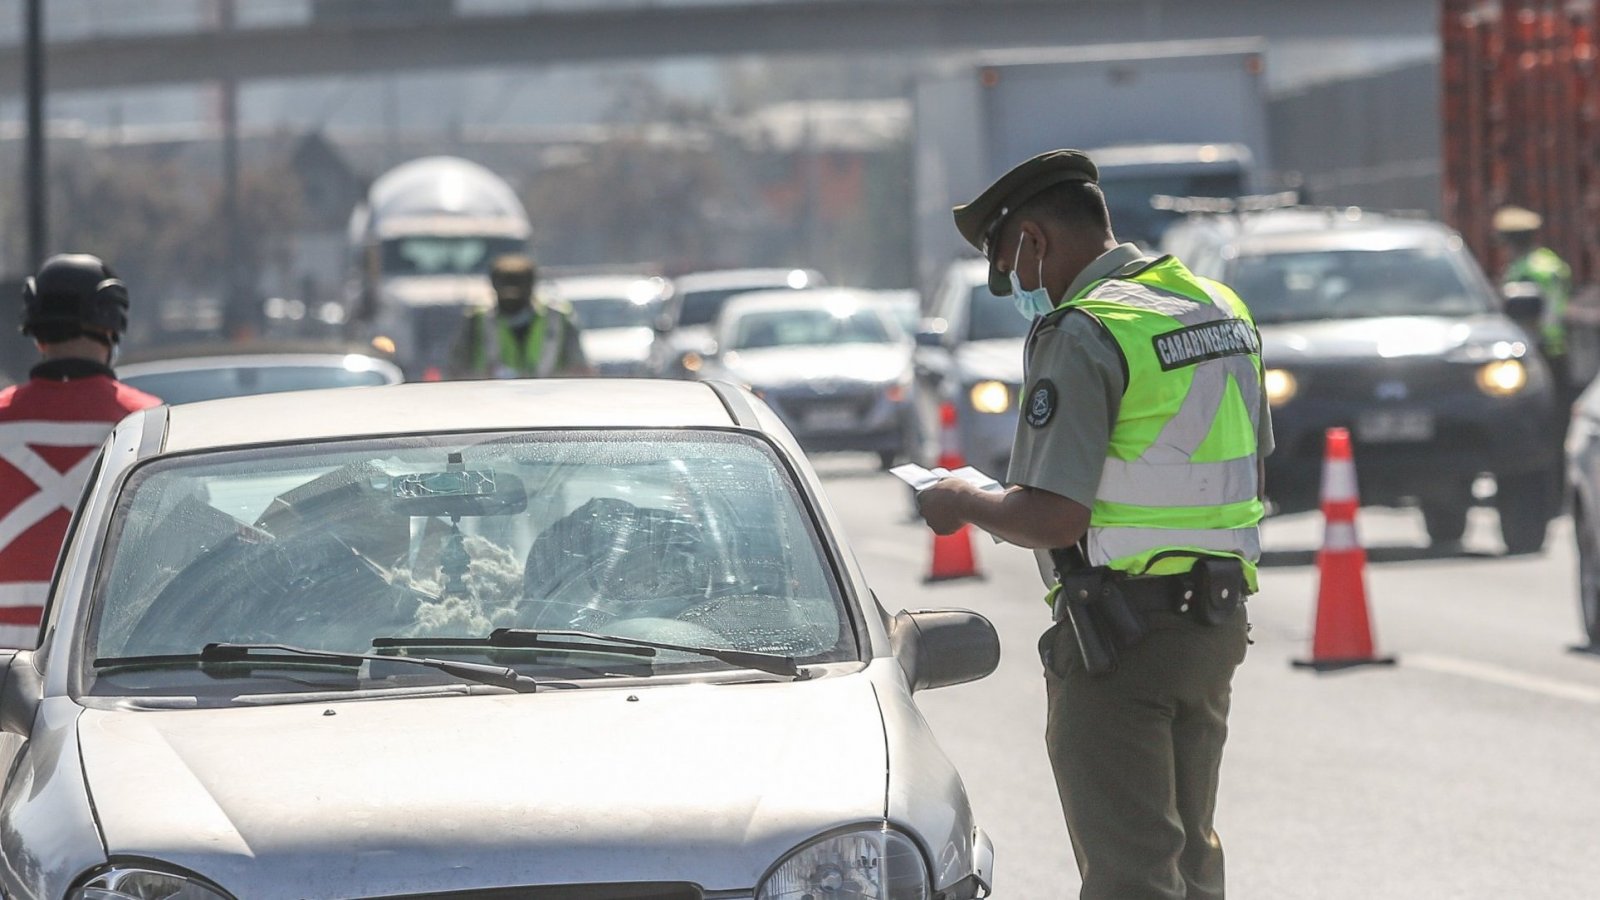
column 1135, row 474
column 526, row 337
column 75, row 310
column 1518, row 230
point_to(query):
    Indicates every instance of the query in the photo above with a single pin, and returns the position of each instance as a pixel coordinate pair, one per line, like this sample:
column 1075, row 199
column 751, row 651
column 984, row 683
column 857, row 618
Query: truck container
column 1184, row 118
column 1521, row 118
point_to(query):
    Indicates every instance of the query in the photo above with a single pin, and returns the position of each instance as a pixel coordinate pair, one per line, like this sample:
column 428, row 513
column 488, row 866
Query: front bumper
column 828, row 418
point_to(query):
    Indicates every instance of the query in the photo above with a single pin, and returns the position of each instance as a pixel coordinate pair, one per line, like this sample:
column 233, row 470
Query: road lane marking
column 1466, row 668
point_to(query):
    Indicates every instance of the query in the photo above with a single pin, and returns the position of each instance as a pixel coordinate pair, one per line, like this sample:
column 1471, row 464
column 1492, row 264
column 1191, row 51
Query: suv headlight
column 874, row 863
column 990, row 397
column 1503, row 377
column 1281, row 386
column 145, row 884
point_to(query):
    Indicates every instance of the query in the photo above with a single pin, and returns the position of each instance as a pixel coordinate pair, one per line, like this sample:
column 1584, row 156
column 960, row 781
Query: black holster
column 1102, row 620
column 1219, row 586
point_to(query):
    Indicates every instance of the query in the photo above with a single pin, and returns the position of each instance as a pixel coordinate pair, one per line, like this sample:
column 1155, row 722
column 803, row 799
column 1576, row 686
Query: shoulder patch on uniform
column 1040, row 406
column 1201, row 343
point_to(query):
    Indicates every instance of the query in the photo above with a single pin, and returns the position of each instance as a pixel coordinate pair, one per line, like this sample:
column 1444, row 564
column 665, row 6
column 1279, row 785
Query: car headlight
column 692, row 361
column 145, row 884
column 1281, row 386
column 991, row 397
column 875, row 863
column 1503, row 377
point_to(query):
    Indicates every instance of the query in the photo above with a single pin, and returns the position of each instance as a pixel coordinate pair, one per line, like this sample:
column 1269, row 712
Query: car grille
column 1370, row 380
column 627, row 891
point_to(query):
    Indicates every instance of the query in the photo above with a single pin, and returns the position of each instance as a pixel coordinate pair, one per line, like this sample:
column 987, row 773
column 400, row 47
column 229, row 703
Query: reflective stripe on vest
column 1180, row 477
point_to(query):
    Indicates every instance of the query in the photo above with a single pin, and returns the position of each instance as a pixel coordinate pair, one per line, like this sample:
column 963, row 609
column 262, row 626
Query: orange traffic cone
column 953, row 557
column 1343, row 636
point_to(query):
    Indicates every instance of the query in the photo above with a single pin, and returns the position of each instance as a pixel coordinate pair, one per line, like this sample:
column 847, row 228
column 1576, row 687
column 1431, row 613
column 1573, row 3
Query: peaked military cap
column 979, row 221
column 1513, row 219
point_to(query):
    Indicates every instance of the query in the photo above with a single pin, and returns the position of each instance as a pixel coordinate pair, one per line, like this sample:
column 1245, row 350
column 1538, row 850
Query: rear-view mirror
column 940, row 647
column 459, row 493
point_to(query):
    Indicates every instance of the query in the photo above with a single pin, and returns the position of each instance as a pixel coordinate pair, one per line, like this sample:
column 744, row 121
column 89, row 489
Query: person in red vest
column 52, row 426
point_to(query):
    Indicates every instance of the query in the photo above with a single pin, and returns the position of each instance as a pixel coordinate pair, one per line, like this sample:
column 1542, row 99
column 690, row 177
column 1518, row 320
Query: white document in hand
column 921, row 479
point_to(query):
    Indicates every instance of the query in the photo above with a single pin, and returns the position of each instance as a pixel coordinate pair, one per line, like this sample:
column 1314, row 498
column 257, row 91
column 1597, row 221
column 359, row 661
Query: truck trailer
column 1185, row 118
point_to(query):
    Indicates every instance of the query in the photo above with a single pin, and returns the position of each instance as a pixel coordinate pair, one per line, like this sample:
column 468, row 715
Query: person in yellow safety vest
column 1136, row 475
column 525, row 337
column 1518, row 230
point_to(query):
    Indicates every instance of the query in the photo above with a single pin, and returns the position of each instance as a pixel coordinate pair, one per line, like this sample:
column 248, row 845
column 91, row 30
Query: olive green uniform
column 1136, row 753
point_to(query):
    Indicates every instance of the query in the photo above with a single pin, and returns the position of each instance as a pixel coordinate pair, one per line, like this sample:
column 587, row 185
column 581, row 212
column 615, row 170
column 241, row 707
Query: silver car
column 551, row 639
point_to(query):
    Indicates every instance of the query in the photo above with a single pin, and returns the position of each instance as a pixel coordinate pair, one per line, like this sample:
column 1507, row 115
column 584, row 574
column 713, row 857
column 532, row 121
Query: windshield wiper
column 222, row 653
column 770, row 663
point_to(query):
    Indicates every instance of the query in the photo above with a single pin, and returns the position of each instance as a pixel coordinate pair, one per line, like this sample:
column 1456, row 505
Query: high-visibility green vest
column 496, row 351
column 1554, row 277
column 1180, row 479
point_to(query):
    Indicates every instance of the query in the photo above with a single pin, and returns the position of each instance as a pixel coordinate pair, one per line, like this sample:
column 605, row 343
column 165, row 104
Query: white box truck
column 1186, row 118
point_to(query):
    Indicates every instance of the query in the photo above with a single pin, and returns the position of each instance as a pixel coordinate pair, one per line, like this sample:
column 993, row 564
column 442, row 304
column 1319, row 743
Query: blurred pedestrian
column 1136, row 474
column 526, row 336
column 1533, row 263
column 75, row 310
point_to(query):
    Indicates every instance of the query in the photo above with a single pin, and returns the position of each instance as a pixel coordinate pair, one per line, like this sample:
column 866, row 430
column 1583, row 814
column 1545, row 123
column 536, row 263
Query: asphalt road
column 1471, row 769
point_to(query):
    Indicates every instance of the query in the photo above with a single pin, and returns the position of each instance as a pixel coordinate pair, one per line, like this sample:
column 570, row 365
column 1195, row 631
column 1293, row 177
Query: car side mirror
column 661, row 324
column 1524, row 305
column 21, row 689
column 941, row 647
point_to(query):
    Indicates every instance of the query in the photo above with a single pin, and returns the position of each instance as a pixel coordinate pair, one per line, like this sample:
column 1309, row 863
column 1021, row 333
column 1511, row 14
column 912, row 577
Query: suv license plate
column 830, row 417
column 1393, row 426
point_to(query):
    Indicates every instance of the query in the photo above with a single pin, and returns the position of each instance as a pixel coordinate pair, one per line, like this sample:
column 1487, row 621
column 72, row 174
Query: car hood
column 996, row 360
column 606, row 345
column 439, row 290
column 779, row 366
column 704, row 783
column 1383, row 338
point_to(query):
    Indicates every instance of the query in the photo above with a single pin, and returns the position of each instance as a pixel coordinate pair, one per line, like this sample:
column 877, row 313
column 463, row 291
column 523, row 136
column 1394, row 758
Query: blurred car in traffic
column 1583, row 473
column 969, row 365
column 583, row 638
column 832, row 364
column 684, row 330
column 211, row 372
column 1386, row 326
column 616, row 315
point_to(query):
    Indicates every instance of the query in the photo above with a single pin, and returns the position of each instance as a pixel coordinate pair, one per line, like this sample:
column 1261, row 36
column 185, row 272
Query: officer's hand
column 939, row 505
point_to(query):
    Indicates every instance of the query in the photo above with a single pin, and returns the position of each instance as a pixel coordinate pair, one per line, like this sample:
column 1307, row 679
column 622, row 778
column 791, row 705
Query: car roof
column 354, row 362
column 819, row 298
column 593, row 287
column 442, row 407
column 724, row 279
column 1297, row 231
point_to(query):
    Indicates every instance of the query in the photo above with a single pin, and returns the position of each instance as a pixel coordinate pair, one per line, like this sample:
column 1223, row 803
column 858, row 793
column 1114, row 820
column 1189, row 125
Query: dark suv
column 1386, row 326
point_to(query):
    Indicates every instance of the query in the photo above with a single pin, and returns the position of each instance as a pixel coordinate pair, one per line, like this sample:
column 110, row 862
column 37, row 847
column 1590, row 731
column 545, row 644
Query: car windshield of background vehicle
column 195, row 385
column 991, row 318
column 612, row 312
column 690, row 538
column 702, row 307
column 809, row 328
column 1356, row 284
column 445, row 255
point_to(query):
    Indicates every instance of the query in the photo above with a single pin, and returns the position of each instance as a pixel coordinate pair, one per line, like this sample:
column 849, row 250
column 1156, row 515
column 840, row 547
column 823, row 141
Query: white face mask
column 1030, row 304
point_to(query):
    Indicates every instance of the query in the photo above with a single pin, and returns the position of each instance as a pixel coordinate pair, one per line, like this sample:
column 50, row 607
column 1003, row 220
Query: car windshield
column 194, row 385
column 990, row 317
column 438, row 255
column 1351, row 284
column 702, row 307
column 1128, row 198
column 808, row 327
column 612, row 312
column 690, row 538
